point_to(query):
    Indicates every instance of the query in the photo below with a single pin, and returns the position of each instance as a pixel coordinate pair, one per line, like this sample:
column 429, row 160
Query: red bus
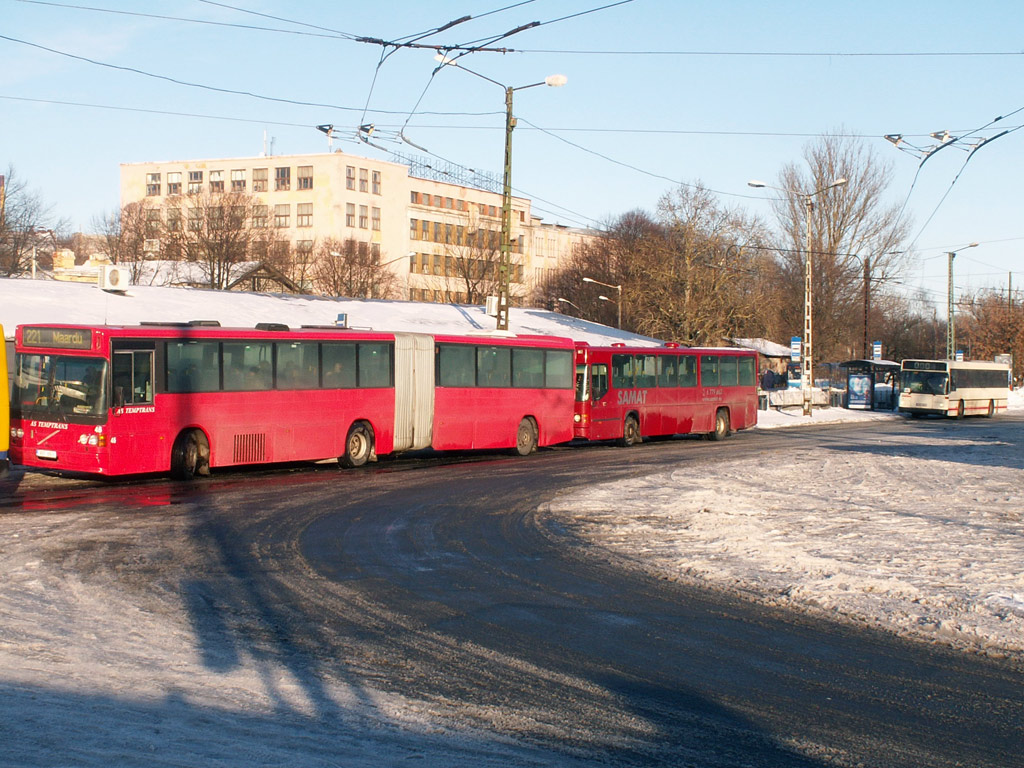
column 629, row 393
column 187, row 397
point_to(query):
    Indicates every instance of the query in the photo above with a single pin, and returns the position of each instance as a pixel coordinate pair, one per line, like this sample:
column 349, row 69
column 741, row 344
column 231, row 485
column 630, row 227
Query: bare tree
column 851, row 226
column 27, row 227
column 993, row 324
column 219, row 233
column 351, row 268
column 131, row 236
column 692, row 274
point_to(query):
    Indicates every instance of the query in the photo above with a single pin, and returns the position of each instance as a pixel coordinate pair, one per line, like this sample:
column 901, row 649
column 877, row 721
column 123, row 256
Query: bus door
column 414, row 391
column 604, row 414
column 137, row 440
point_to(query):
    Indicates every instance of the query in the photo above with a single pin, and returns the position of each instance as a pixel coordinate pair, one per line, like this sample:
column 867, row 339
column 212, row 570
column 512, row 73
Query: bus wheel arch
column 527, row 436
column 631, row 431
column 722, row 426
column 190, row 455
column 359, row 445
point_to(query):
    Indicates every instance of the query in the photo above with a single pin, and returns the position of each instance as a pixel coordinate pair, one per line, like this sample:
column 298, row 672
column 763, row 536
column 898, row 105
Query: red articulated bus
column 629, row 393
column 185, row 397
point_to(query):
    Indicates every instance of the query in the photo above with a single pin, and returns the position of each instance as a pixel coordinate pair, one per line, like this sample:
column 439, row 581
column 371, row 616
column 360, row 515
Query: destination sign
column 923, row 365
column 58, row 338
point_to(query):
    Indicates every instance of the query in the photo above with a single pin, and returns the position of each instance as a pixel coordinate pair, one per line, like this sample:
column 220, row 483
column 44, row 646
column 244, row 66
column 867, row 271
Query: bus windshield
column 59, row 386
column 924, row 382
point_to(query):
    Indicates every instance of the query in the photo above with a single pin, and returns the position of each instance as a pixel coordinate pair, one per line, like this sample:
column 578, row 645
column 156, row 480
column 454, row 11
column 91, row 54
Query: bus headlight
column 17, row 433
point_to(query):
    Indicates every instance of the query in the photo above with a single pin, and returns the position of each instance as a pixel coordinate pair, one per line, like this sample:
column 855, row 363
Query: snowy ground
column 923, row 537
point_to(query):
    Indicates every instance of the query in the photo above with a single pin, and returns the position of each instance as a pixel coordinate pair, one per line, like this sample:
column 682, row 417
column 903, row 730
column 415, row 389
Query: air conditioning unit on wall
column 114, row 278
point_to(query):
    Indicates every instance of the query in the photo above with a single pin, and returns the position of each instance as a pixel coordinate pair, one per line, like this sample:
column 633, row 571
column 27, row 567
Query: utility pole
column 950, row 325
column 867, row 301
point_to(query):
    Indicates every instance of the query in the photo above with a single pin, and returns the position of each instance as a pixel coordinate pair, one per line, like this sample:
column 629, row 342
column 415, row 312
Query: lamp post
column 618, row 303
column 951, row 317
column 807, row 369
column 566, row 301
column 505, row 256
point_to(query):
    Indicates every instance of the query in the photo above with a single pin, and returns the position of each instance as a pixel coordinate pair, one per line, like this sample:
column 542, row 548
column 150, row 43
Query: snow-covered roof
column 764, row 347
column 37, row 301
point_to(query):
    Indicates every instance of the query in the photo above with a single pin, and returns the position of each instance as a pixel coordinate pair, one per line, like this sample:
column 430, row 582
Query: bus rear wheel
column 721, row 430
column 358, row 446
column 630, row 432
column 526, row 437
column 190, row 456
column 991, row 409
column 960, row 409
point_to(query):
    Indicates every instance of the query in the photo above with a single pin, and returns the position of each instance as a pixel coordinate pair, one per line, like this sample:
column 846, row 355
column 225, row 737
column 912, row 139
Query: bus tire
column 526, row 437
column 630, row 432
column 960, row 409
column 721, row 430
column 358, row 446
column 190, row 456
column 991, row 409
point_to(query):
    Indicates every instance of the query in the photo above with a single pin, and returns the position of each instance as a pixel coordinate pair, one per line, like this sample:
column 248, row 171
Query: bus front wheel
column 358, row 446
column 630, row 432
column 721, row 430
column 190, row 456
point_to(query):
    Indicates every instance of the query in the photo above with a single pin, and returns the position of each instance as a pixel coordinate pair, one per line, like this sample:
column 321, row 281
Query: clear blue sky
column 658, row 93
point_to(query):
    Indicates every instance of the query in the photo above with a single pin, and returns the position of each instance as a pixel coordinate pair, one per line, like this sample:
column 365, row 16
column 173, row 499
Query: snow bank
column 922, row 536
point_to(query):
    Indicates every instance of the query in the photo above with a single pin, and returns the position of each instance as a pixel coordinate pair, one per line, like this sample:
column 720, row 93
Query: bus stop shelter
column 871, row 385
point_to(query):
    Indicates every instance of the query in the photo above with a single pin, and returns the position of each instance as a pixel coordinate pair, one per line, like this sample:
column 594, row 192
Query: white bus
column 951, row 388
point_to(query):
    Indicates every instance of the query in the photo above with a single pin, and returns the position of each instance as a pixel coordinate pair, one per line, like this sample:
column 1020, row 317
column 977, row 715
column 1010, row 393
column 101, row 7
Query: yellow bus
column 5, row 407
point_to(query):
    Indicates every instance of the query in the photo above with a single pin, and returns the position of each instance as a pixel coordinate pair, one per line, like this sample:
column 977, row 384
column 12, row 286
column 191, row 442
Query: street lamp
column 618, row 303
column 566, row 301
column 807, row 376
column 505, row 258
column 950, row 321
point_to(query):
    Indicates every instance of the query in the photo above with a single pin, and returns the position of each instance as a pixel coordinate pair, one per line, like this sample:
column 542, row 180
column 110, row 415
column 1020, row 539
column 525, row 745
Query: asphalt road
column 446, row 583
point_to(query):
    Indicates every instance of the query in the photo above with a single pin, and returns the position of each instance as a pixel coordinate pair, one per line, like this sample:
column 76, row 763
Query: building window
column 195, row 182
column 304, row 215
column 259, row 179
column 259, row 216
column 364, row 180
column 152, row 184
column 217, row 182
column 174, row 220
column 364, row 219
column 375, row 219
column 375, row 251
column 438, row 232
column 174, row 183
column 305, row 174
column 350, row 214
column 350, row 177
column 460, row 205
column 449, row 203
column 282, row 179
column 304, row 248
column 152, row 223
column 414, row 229
column 282, row 215
column 238, row 181
column 424, row 230
column 195, row 220
column 375, row 182
column 414, row 198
